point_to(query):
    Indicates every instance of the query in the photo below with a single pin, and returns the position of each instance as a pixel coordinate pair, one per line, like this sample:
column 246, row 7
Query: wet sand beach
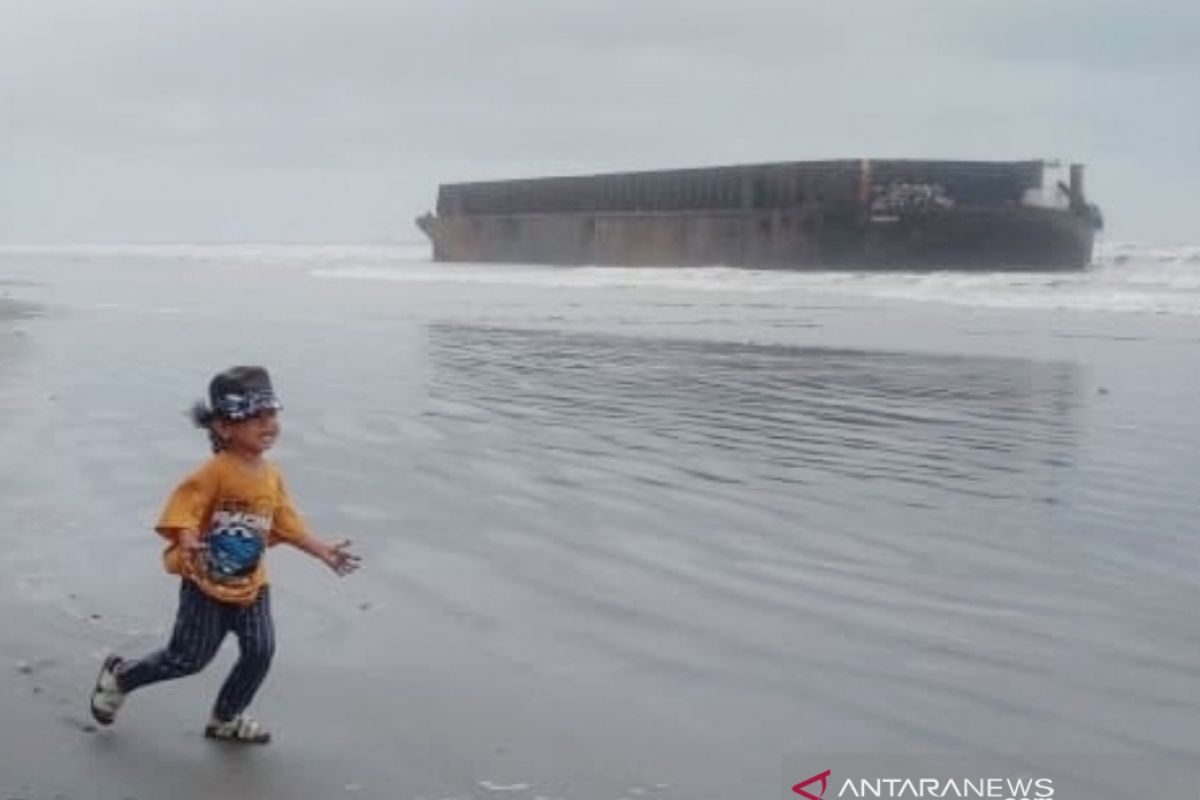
column 625, row 537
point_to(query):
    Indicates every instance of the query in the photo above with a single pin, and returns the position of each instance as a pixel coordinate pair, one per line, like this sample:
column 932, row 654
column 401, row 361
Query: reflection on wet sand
column 887, row 544
column 826, row 423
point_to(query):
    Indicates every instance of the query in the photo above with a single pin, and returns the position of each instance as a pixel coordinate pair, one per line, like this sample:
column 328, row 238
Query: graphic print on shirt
column 237, row 536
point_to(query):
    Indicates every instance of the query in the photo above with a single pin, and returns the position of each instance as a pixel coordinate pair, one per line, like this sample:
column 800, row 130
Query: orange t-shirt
column 239, row 512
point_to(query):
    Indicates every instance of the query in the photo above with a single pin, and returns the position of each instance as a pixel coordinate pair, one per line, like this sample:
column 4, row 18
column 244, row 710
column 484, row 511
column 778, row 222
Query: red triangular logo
column 823, row 778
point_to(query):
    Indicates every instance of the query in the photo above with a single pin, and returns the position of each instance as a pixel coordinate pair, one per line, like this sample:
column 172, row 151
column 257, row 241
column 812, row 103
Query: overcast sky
column 316, row 120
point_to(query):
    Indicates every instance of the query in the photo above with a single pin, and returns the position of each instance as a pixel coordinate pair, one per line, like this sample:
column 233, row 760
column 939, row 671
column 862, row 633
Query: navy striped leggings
column 200, row 627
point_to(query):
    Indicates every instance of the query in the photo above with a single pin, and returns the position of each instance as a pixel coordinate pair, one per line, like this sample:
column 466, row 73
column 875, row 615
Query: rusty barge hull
column 798, row 215
column 1035, row 239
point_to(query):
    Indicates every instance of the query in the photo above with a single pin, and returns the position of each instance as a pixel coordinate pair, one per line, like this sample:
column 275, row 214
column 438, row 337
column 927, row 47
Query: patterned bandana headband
column 240, row 406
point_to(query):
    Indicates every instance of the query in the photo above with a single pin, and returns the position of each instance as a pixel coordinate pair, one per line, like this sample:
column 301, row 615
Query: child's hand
column 191, row 544
column 338, row 558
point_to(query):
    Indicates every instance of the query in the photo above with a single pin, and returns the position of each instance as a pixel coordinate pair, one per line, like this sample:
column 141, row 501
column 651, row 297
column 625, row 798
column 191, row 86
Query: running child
column 218, row 523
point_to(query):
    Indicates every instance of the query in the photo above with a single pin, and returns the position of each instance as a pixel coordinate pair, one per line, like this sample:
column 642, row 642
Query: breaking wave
column 1125, row 277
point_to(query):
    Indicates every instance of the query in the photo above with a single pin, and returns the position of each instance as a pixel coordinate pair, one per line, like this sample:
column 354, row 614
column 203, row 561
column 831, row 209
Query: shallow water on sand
column 621, row 540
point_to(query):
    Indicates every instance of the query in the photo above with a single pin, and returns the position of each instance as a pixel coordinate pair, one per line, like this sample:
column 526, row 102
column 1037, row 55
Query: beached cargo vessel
column 858, row 214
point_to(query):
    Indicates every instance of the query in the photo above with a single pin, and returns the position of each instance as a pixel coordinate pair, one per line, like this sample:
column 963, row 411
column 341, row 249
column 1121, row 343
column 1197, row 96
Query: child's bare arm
column 335, row 555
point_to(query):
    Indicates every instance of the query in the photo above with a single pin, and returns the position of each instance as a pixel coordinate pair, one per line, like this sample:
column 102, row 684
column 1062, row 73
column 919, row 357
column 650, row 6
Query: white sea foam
column 308, row 255
column 1125, row 277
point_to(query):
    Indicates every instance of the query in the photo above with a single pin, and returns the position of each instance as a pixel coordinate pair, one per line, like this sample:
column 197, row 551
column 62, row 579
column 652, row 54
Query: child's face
column 253, row 436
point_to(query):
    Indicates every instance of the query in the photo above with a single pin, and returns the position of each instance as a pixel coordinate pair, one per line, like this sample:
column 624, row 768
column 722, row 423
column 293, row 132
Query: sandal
column 107, row 695
column 241, row 729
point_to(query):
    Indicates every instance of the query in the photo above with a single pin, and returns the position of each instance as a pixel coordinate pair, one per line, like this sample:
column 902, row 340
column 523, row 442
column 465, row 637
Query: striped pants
column 200, row 627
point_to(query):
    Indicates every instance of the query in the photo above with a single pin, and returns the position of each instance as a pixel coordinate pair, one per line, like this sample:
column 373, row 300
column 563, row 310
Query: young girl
column 218, row 523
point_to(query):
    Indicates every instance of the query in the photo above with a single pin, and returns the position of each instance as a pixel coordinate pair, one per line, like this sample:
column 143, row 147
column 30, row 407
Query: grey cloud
column 1100, row 35
column 161, row 109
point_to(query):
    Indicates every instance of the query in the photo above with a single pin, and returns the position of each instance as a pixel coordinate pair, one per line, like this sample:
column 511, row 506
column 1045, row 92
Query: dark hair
column 204, row 417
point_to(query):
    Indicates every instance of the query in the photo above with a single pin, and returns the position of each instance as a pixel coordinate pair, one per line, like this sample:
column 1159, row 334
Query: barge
column 844, row 214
